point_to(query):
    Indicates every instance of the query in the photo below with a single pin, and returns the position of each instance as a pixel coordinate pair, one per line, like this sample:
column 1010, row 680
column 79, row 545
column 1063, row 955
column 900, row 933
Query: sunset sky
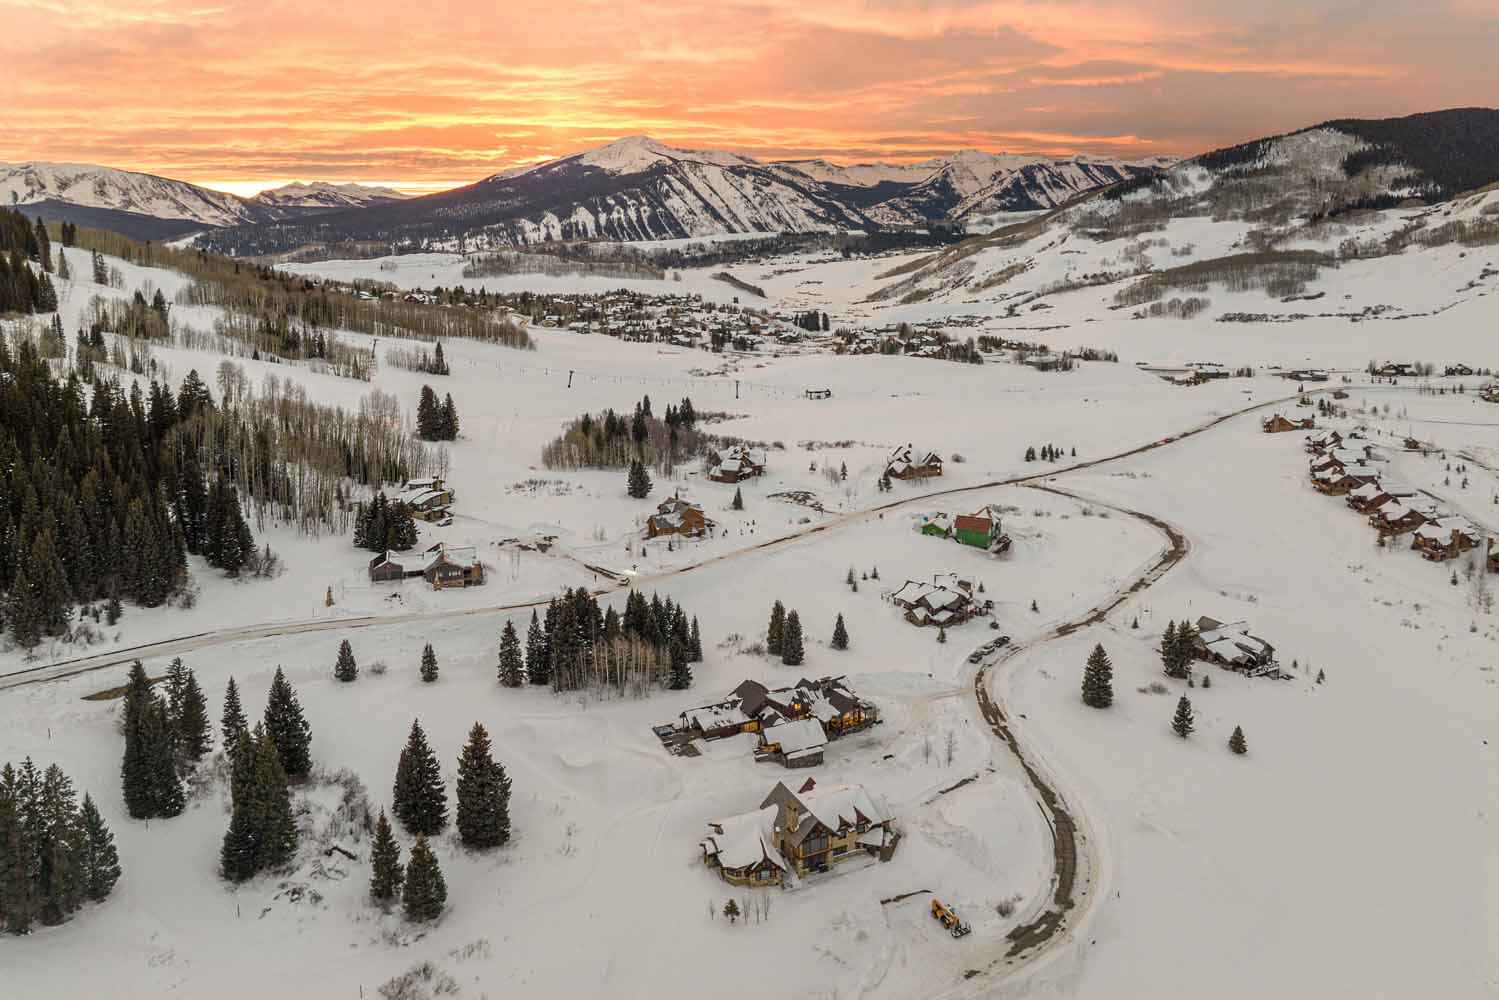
column 422, row 96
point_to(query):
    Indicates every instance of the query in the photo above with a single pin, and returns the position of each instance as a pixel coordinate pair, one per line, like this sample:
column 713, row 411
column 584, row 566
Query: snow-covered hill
column 322, row 195
column 90, row 186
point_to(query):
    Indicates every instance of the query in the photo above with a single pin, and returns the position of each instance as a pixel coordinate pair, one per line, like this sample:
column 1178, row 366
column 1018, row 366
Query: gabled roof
column 746, row 840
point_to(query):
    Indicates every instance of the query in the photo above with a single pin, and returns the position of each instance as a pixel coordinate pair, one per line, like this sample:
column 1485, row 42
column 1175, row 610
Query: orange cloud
column 237, row 93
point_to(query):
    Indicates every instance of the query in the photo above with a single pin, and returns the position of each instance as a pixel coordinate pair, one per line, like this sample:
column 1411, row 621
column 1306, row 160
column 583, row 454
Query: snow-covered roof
column 836, row 806
column 710, row 717
column 803, row 734
column 747, row 839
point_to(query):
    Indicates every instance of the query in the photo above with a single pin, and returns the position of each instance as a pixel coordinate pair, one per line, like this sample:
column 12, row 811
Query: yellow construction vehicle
column 948, row 918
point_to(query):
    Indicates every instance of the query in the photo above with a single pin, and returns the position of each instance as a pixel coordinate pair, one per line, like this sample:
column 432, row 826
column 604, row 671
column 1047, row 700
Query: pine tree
column 288, row 729
column 1181, row 723
column 429, row 664
column 681, row 673
column 428, row 415
column 512, row 666
column 774, row 633
column 483, row 815
column 738, row 502
column 840, row 634
column 695, row 643
column 1098, row 679
column 447, row 420
column 385, row 862
column 425, row 893
column 148, row 771
column 262, row 834
column 420, row 797
column 538, row 657
column 638, row 483
column 233, row 725
column 346, row 669
column 1237, row 743
column 1168, row 649
column 792, row 652
column 731, row 910
column 99, row 862
column 194, row 733
column 1186, row 649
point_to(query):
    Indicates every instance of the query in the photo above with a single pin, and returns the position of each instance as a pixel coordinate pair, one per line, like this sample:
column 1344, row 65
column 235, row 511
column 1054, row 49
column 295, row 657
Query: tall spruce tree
column 429, row 664
column 840, row 634
column 483, row 815
column 148, row 770
column 345, row 669
column 447, row 420
column 1168, row 649
column 793, row 653
column 420, row 798
column 1182, row 722
column 695, row 642
column 680, row 678
column 538, row 658
column 512, row 670
column 425, row 892
column 1186, row 649
column 99, row 862
column 233, row 726
column 428, row 415
column 192, row 730
column 1098, row 679
column 385, row 863
column 638, row 481
column 288, row 729
column 775, row 631
column 261, row 834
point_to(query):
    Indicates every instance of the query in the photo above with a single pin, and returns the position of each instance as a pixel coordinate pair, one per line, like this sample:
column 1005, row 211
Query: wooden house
column 676, row 516
column 949, row 602
column 1399, row 517
column 428, row 499
column 1231, row 645
column 1371, row 496
column 983, row 529
column 1278, row 424
column 1445, row 538
column 735, row 464
column 1339, row 482
column 752, row 706
column 818, row 827
column 910, row 462
column 1458, row 370
column 1323, row 441
column 742, row 849
column 441, row 565
column 793, row 743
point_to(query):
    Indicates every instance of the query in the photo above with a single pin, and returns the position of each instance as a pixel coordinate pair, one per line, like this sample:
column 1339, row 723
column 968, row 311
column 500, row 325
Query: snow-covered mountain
column 640, row 189
column 95, row 187
column 325, row 196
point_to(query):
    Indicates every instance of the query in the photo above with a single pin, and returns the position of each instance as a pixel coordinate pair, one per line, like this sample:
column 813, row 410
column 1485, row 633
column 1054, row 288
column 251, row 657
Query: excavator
column 948, row 918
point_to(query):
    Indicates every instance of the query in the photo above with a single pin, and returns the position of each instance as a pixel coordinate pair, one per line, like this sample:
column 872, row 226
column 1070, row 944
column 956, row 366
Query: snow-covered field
column 1350, row 853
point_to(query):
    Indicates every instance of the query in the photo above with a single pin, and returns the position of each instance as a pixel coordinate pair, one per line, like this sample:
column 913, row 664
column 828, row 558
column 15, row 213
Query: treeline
column 612, row 441
column 579, row 647
column 418, row 360
column 55, row 853
column 22, row 288
column 308, row 305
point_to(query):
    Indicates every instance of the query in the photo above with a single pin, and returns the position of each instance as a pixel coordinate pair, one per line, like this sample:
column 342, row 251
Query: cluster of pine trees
column 611, row 441
column 577, row 645
column 436, row 421
column 264, row 762
column 1178, row 649
column 22, row 288
column 164, row 737
column 783, row 637
column 384, row 524
column 55, row 852
column 1048, row 453
column 84, row 514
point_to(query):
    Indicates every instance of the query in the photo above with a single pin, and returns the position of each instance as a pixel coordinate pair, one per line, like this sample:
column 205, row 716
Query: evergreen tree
column 738, row 502
column 512, row 666
column 385, row 860
column 288, row 729
column 428, row 415
column 681, row 673
column 425, row 893
column 695, row 643
column 1237, row 743
column 840, row 634
column 420, row 796
column 1181, row 722
column 1168, row 649
column 99, row 862
column 345, row 669
column 483, row 815
column 17, row 851
column 775, row 632
column 148, row 771
column 447, row 420
column 941, row 634
column 1185, row 649
column 638, row 483
column 792, row 652
column 193, row 731
column 429, row 664
column 233, row 725
column 538, row 658
column 261, row 834
column 1098, row 679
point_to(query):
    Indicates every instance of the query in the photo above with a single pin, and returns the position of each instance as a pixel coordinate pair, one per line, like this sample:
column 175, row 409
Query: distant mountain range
column 150, row 207
column 640, row 189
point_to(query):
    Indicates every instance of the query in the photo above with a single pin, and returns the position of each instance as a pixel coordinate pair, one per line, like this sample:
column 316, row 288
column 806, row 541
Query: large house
column 1399, row 517
column 910, row 462
column 1372, row 496
column 1338, row 482
column 676, row 516
column 442, row 566
column 982, row 529
column 1231, row 645
column 428, row 499
column 735, row 464
column 797, row 743
column 752, row 707
column 1278, row 424
column 1323, row 441
column 1445, row 538
column 945, row 601
column 806, row 831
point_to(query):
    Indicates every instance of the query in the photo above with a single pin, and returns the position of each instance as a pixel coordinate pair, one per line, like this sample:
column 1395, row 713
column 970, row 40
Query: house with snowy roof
column 735, row 464
column 1401, row 516
column 1278, row 423
column 675, row 516
column 1232, row 645
column 441, row 565
column 1323, row 440
column 1445, row 538
column 742, row 849
column 752, row 706
column 793, row 743
column 945, row 601
column 909, row 462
